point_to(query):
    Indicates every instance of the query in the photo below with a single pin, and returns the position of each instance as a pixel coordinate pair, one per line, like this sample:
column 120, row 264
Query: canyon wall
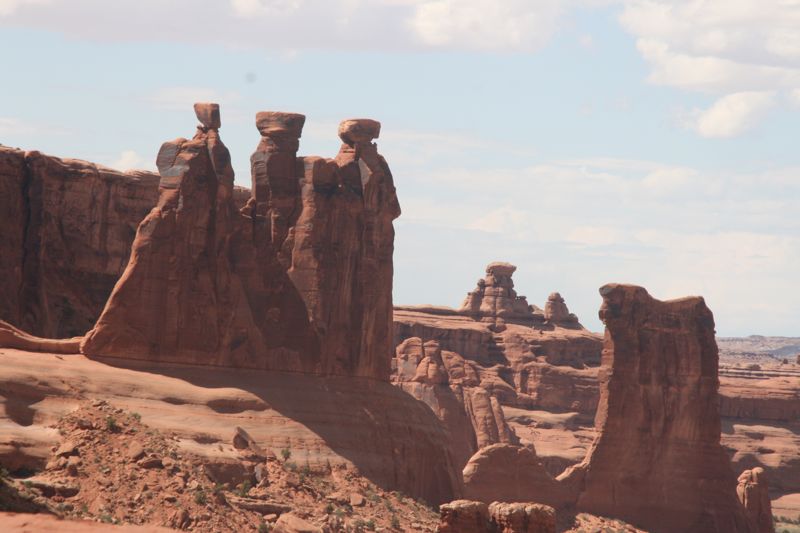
column 67, row 229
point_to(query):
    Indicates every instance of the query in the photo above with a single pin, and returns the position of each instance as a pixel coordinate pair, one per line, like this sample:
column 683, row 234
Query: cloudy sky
column 586, row 141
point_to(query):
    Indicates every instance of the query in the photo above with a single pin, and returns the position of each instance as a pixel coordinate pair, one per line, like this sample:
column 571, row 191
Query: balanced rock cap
column 271, row 123
column 500, row 268
column 208, row 115
column 359, row 130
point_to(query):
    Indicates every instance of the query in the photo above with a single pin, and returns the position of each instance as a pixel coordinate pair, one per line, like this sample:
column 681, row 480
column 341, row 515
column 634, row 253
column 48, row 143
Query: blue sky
column 586, row 141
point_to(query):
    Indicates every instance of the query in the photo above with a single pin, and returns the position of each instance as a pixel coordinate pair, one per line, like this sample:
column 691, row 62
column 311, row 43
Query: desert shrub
column 111, row 424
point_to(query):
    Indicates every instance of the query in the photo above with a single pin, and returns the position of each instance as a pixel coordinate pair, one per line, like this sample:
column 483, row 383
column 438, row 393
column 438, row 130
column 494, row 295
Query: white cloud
column 8, row 7
column 12, row 126
column 249, row 8
column 721, row 46
column 486, row 24
column 129, row 160
column 733, row 114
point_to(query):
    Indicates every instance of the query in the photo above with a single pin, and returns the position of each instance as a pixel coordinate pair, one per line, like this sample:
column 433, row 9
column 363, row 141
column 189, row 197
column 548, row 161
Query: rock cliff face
column 300, row 280
column 67, row 227
column 657, row 461
column 449, row 385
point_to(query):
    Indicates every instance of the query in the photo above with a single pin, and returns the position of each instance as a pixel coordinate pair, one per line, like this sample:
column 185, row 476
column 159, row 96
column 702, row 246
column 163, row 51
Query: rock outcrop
column 300, row 280
column 522, row 518
column 495, row 300
column 509, row 473
column 67, row 227
column 449, row 385
column 657, row 461
column 11, row 337
column 495, row 352
column 753, row 493
column 465, row 516
column 556, row 311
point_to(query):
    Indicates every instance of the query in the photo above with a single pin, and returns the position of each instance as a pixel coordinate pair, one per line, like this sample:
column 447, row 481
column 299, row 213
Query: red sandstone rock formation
column 11, row 337
column 67, row 227
column 339, row 252
column 449, row 385
column 509, row 473
column 522, row 518
column 495, row 299
column 465, row 516
column 556, row 311
column 753, row 493
column 657, row 461
column 65, row 238
column 300, row 280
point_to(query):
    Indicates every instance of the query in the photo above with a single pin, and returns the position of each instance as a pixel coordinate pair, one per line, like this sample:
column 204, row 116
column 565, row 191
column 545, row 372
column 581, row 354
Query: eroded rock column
column 657, row 461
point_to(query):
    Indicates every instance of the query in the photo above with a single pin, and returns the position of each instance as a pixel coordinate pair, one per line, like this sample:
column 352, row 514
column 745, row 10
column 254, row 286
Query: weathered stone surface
column 11, row 337
column 464, row 516
column 67, row 227
column 509, row 473
column 495, row 297
column 299, row 281
column 208, row 115
column 556, row 311
column 753, row 493
column 291, row 523
column 65, row 238
column 657, row 461
column 522, row 518
column 449, row 386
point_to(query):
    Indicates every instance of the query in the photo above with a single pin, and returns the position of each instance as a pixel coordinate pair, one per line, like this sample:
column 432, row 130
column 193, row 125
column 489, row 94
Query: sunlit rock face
column 299, row 279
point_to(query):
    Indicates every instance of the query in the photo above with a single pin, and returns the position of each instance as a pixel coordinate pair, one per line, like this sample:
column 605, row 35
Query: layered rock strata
column 450, row 386
column 300, row 280
column 66, row 229
column 657, row 461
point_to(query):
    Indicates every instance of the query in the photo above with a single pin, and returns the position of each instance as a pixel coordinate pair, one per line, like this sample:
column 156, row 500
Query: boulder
column 291, row 523
column 522, row 518
column 464, row 516
column 510, row 473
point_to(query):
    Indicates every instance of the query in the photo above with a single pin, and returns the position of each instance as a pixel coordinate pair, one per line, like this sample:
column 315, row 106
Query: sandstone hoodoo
column 299, row 280
column 657, row 461
column 753, row 493
column 494, row 353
